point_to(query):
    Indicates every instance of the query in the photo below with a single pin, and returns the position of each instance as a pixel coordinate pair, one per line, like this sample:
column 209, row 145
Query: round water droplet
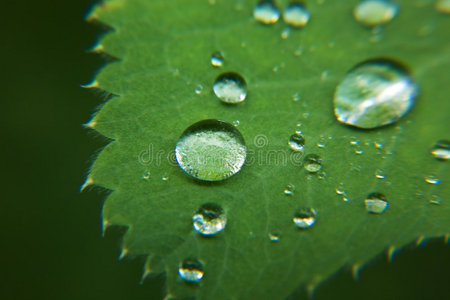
column 274, row 237
column 296, row 97
column 376, row 203
column 164, row 178
column 373, row 94
column 375, row 12
column 443, row 6
column 296, row 14
column 297, row 141
column 432, row 179
column 322, row 175
column 435, row 199
column 146, row 176
column 211, row 150
column 217, row 59
column 209, row 219
column 380, row 174
column 340, row 189
column 305, row 218
column 236, row 123
column 312, row 163
column 441, row 150
column 266, row 12
column 198, row 90
column 230, row 88
column 285, row 33
column 191, row 270
column 289, row 190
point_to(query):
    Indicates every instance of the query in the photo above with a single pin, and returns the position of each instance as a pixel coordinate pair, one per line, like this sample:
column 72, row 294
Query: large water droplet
column 209, row 219
column 217, row 59
column 373, row 94
column 432, row 179
column 230, row 88
column 312, row 163
column 296, row 14
column 297, row 141
column 375, row 12
column 376, row 203
column 191, row 270
column 211, row 150
column 441, row 150
column 305, row 218
column 266, row 12
column 443, row 6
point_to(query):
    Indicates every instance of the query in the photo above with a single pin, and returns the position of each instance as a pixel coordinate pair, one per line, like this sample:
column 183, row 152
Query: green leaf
column 165, row 48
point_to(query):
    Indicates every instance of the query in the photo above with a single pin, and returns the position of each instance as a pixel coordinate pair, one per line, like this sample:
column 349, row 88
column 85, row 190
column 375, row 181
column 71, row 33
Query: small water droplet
column 354, row 142
column 441, row 150
column 146, row 176
column 211, row 150
column 298, row 51
column 432, row 179
column 266, row 12
column 376, row 203
column 296, row 97
column 285, row 33
column 322, row 175
column 209, row 219
column 322, row 142
column 378, row 145
column 191, row 270
column 289, row 190
column 375, row 12
column 217, row 59
column 312, row 163
column 324, row 75
column 198, row 89
column 435, row 199
column 340, row 189
column 236, row 123
column 443, row 6
column 274, row 237
column 305, row 218
column 230, row 88
column 164, row 177
column 296, row 14
column 297, row 141
column 373, row 94
column 380, row 174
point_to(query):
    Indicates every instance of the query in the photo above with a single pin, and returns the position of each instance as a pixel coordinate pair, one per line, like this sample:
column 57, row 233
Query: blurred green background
column 51, row 246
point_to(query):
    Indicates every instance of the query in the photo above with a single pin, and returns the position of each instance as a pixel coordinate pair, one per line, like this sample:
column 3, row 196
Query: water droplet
column 376, row 203
column 378, row 145
column 322, row 142
column 312, row 163
column 441, row 150
column 146, row 176
column 296, row 14
column 236, row 123
column 432, row 179
column 191, row 270
column 217, row 59
column 266, row 12
column 209, row 219
column 164, row 178
column 380, row 174
column 289, row 190
column 322, row 175
column 297, row 141
column 324, row 75
column 198, row 89
column 274, row 237
column 340, row 189
column 375, row 12
column 443, row 6
column 373, row 94
column 435, row 199
column 285, row 33
column 230, row 88
column 211, row 150
column 305, row 218
column 298, row 51
column 296, row 97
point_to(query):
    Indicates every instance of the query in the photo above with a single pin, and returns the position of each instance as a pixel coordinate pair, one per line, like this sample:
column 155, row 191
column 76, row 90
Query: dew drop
column 305, row 218
column 432, row 179
column 236, row 123
column 266, row 12
column 297, row 141
column 443, row 6
column 274, row 237
column 285, row 33
column 211, row 150
column 296, row 14
column 322, row 175
column 289, row 190
column 209, row 219
column 191, row 270
column 380, row 174
column 312, row 163
column 378, row 145
column 373, row 94
column 217, row 59
column 296, row 97
column 146, row 176
column 435, row 199
column 198, row 89
column 164, row 178
column 340, row 189
column 441, row 150
column 322, row 142
column 375, row 12
column 230, row 88
column 376, row 203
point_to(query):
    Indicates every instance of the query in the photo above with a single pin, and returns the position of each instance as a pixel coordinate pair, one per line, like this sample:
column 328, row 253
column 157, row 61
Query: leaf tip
column 105, row 226
column 90, row 85
column 96, row 48
column 91, row 124
column 123, row 253
column 87, row 183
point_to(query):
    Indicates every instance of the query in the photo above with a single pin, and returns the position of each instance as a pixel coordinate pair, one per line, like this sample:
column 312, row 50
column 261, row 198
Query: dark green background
column 51, row 246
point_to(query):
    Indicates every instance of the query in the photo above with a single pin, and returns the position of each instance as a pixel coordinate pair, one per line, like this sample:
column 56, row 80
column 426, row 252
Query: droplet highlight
column 296, row 14
column 376, row 203
column 373, row 94
column 230, row 88
column 312, row 163
column 274, row 237
column 211, row 150
column 266, row 12
column 296, row 141
column 217, row 59
column 305, row 218
column 209, row 219
column 380, row 174
column 432, row 179
column 375, row 12
column 441, row 150
column 289, row 190
column 191, row 270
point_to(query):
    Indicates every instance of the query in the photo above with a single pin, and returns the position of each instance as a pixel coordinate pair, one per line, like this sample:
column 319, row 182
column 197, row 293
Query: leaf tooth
column 96, row 48
column 420, row 240
column 123, row 253
column 311, row 287
column 91, row 123
column 356, row 269
column 87, row 183
column 90, row 85
column 391, row 253
column 105, row 225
